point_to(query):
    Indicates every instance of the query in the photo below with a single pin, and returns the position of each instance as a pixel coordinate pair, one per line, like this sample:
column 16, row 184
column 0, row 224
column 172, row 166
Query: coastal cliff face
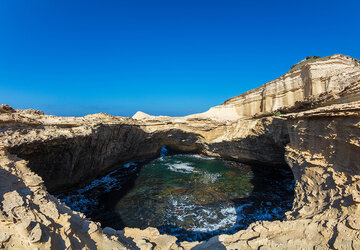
column 307, row 78
column 317, row 134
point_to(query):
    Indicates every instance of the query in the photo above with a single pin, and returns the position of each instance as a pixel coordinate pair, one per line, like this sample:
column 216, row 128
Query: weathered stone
column 317, row 132
column 50, row 210
column 354, row 222
column 4, row 237
column 11, row 201
column 89, row 227
column 355, row 194
column 109, row 231
column 33, row 180
column 4, row 108
column 35, row 234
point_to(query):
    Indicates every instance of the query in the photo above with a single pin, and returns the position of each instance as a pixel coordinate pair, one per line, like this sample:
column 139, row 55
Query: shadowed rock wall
column 319, row 138
column 68, row 162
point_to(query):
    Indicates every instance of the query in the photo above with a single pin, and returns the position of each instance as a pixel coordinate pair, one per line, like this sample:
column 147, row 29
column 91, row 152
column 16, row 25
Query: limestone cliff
column 317, row 134
column 313, row 78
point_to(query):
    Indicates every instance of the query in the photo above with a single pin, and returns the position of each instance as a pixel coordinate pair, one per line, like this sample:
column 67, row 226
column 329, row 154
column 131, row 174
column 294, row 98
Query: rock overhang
column 314, row 139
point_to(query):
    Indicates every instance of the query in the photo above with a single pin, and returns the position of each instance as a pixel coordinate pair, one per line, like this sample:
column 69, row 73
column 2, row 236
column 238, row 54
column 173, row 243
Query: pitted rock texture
column 317, row 133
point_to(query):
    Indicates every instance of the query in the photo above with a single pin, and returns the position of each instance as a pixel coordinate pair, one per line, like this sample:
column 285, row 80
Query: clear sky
column 171, row 57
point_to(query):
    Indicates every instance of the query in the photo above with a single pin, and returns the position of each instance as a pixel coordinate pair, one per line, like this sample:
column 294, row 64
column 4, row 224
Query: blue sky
column 162, row 57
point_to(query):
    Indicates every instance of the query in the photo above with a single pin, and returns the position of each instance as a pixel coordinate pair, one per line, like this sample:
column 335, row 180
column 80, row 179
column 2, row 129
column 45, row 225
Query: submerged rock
column 179, row 190
column 310, row 116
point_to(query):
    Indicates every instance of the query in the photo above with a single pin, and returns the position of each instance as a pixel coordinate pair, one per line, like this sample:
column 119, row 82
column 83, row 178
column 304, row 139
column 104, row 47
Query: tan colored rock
column 313, row 78
column 11, row 201
column 317, row 134
column 354, row 221
column 151, row 237
column 4, row 236
column 4, row 108
column 36, row 234
column 141, row 115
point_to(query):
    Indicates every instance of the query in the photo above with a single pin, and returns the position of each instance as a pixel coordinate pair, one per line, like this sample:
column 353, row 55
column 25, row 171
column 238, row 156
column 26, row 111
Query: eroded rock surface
column 309, row 78
column 316, row 132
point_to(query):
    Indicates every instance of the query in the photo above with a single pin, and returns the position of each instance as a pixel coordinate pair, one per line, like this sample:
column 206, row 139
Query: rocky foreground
column 308, row 118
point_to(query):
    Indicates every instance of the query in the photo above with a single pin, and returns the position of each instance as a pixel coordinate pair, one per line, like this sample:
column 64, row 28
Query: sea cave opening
column 186, row 195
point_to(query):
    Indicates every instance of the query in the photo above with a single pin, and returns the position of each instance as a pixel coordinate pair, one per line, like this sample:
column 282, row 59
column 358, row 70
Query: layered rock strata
column 309, row 78
column 317, row 133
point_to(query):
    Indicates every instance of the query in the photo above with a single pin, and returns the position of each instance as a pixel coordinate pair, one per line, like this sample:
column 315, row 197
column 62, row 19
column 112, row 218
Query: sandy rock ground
column 308, row 119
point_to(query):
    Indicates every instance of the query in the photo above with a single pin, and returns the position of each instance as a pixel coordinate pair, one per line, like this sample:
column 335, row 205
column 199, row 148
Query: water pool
column 188, row 196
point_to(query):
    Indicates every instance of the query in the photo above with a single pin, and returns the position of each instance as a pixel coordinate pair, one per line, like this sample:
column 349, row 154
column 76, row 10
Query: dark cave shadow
column 51, row 155
column 107, row 216
column 272, row 196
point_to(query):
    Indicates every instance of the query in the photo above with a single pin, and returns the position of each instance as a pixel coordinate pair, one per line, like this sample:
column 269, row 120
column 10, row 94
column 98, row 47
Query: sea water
column 185, row 195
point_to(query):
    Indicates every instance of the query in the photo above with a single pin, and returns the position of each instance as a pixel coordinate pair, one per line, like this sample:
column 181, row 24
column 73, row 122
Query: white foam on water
column 207, row 218
column 184, row 167
column 79, row 202
column 182, row 205
column 228, row 219
column 209, row 178
column 239, row 211
column 107, row 182
column 201, row 157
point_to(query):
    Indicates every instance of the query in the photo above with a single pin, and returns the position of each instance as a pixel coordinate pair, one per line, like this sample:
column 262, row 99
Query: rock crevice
column 316, row 132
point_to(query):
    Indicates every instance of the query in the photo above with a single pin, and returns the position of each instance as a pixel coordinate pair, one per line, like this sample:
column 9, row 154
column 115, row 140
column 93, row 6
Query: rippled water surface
column 188, row 196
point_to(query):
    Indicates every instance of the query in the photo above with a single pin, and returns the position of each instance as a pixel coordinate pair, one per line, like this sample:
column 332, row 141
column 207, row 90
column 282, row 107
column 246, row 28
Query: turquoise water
column 185, row 191
column 188, row 196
